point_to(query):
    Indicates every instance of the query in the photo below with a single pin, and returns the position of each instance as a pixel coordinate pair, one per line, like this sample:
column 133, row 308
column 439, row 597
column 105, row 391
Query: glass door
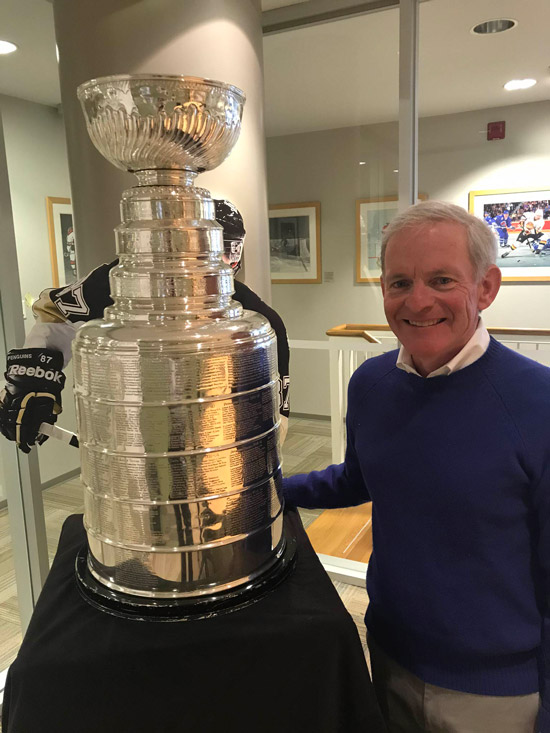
column 332, row 124
column 23, row 555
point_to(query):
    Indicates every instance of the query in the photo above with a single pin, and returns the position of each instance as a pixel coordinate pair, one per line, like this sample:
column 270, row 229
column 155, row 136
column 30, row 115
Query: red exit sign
column 496, row 130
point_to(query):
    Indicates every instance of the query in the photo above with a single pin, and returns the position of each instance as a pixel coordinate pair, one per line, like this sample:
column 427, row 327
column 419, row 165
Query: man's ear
column 489, row 287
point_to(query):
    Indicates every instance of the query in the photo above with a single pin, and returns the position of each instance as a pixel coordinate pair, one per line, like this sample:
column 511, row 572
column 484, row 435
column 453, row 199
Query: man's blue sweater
column 458, row 471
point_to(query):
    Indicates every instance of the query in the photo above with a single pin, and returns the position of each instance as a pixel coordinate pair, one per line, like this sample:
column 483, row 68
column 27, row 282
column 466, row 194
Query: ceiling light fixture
column 396, row 170
column 57, row 52
column 514, row 84
column 362, row 162
column 498, row 25
column 7, row 47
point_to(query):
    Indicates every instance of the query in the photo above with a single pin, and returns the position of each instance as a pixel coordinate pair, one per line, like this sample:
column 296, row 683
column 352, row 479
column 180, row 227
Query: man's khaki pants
column 412, row 706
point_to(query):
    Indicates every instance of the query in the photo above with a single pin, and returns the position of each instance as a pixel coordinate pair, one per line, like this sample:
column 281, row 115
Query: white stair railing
column 350, row 344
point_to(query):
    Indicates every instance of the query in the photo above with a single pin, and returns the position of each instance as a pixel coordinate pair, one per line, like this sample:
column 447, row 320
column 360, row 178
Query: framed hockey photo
column 295, row 242
column 372, row 216
column 62, row 240
column 520, row 222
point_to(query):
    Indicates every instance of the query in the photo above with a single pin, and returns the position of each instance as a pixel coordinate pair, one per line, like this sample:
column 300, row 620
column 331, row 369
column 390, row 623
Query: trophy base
column 141, row 608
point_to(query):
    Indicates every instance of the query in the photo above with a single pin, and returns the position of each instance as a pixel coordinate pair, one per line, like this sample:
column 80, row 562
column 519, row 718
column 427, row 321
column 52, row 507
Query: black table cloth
column 291, row 662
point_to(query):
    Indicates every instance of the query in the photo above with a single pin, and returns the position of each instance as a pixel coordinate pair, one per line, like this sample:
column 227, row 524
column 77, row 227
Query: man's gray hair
column 482, row 242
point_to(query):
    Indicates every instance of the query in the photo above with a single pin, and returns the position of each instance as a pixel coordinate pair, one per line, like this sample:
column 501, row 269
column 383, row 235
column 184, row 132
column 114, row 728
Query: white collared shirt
column 469, row 353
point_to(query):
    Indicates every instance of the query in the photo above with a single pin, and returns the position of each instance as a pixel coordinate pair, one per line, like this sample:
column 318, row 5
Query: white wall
column 454, row 158
column 37, row 168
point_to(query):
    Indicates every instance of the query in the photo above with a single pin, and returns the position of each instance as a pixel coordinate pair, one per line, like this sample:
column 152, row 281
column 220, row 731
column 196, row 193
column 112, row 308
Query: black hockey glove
column 32, row 395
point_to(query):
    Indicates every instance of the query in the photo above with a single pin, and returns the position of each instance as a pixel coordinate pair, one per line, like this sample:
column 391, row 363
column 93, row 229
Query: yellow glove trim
column 57, row 409
column 21, row 412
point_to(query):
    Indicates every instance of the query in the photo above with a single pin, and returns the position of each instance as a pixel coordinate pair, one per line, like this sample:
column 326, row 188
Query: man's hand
column 32, row 395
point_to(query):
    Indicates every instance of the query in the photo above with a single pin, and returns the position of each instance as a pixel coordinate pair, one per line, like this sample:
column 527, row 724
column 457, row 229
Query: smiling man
column 449, row 440
column 433, row 292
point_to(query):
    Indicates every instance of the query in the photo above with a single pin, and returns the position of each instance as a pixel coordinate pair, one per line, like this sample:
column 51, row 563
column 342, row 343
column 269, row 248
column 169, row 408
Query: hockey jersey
column 60, row 311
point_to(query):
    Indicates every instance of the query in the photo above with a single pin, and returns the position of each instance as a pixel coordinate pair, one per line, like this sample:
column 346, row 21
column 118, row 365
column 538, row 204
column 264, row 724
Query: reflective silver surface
column 150, row 122
column 176, row 388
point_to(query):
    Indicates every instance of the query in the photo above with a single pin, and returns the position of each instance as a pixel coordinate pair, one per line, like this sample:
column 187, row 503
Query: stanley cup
column 176, row 389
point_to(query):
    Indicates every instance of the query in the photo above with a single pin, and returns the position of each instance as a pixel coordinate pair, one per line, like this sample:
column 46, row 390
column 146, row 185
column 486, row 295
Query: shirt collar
column 472, row 351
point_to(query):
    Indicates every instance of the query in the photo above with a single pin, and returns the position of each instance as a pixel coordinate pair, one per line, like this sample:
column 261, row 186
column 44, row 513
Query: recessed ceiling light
column 362, row 162
column 7, row 47
column 498, row 25
column 396, row 170
column 519, row 84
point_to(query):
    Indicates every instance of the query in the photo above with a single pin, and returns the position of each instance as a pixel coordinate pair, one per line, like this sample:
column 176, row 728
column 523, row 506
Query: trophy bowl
column 148, row 122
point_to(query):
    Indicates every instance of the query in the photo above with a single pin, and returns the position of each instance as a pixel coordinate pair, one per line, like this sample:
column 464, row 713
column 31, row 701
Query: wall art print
column 520, row 222
column 62, row 240
column 295, row 242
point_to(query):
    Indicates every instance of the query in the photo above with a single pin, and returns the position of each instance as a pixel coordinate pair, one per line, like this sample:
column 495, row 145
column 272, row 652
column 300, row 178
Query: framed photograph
column 295, row 242
column 62, row 241
column 520, row 221
column 372, row 216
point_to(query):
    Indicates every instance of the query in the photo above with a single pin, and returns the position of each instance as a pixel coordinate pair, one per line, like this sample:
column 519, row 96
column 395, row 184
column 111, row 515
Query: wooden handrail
column 370, row 338
column 519, row 331
column 358, row 330
column 361, row 330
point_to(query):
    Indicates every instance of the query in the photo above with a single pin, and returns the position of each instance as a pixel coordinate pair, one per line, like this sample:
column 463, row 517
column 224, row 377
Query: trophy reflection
column 176, row 388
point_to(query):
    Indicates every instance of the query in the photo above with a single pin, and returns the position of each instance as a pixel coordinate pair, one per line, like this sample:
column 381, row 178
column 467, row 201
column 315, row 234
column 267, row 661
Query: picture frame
column 295, row 243
column 523, row 239
column 372, row 216
column 62, row 240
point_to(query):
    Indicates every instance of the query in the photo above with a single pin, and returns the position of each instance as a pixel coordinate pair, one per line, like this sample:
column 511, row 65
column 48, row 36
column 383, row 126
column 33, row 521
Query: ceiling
column 30, row 72
column 346, row 72
column 272, row 4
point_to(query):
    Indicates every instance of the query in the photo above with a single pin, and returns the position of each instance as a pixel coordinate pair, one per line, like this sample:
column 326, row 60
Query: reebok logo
column 22, row 371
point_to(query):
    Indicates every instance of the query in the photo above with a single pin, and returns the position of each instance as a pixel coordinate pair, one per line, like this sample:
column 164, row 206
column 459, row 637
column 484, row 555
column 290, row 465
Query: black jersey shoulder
column 249, row 300
column 86, row 298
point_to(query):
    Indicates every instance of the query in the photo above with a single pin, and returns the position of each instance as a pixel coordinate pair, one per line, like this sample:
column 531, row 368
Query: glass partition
column 33, row 170
column 483, row 146
column 10, row 620
column 332, row 143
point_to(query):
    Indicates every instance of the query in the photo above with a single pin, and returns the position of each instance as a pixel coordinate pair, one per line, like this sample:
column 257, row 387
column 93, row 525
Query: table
column 291, row 662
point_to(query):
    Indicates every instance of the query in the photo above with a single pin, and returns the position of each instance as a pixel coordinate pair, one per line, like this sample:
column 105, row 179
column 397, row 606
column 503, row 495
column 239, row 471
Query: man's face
column 431, row 297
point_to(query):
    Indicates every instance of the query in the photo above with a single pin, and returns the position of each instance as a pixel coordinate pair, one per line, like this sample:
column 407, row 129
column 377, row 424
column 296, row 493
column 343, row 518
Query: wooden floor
column 306, row 448
column 345, row 533
column 59, row 502
column 356, row 600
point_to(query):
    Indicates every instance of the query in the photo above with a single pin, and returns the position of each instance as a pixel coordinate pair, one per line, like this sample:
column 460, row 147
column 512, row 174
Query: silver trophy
column 176, row 389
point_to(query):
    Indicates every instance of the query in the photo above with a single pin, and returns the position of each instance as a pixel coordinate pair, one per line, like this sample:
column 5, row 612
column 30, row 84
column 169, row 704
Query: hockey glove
column 32, row 395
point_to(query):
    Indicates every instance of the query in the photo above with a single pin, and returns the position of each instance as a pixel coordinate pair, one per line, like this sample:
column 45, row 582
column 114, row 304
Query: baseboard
column 309, row 416
column 346, row 571
column 48, row 484
column 61, row 479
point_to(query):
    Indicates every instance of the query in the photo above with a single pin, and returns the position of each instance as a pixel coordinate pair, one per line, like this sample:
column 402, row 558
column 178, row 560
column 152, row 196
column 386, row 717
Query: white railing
column 349, row 345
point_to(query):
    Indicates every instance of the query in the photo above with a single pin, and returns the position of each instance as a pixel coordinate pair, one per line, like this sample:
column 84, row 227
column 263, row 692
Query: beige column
column 218, row 39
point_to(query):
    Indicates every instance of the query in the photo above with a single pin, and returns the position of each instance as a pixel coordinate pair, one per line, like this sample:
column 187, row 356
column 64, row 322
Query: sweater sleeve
column 542, row 508
column 339, row 485
column 529, row 404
